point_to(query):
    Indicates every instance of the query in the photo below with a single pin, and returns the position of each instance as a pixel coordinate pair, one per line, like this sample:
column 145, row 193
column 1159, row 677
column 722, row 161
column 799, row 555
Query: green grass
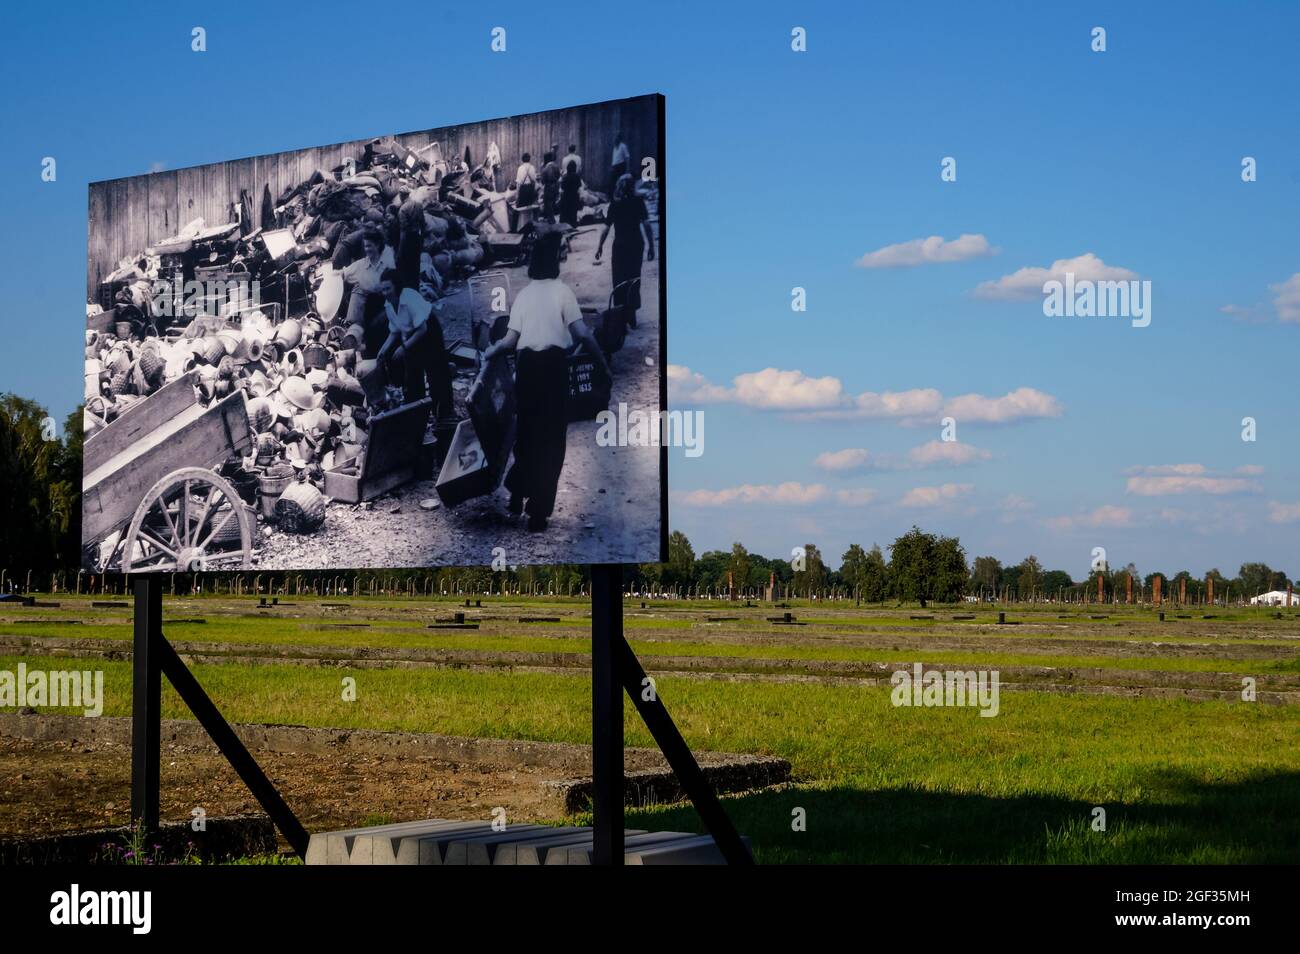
column 283, row 633
column 1192, row 782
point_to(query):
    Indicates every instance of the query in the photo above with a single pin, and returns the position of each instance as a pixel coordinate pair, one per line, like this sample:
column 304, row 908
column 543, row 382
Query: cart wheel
column 190, row 520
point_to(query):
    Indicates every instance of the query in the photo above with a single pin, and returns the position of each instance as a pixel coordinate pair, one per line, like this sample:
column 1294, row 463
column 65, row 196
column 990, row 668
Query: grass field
column 1180, row 780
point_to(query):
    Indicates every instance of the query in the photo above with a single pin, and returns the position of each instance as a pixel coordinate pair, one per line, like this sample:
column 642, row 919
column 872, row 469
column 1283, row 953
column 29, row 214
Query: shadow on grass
column 1186, row 821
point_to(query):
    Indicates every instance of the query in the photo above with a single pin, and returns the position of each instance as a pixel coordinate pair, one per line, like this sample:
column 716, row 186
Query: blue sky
column 785, row 169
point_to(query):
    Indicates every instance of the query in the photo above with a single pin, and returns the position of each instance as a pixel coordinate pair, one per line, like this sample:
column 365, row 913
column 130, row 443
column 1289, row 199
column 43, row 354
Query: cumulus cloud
column 1253, row 470
column 1251, row 314
column 825, row 398
column 929, row 454
column 917, row 401
column 1157, row 470
column 855, row 497
column 1027, row 283
column 772, row 388
column 1161, row 480
column 1172, row 484
column 1104, row 516
column 928, row 251
column 851, row 458
column 690, row 387
column 1286, row 299
column 1020, row 404
column 791, row 493
column 946, row 454
column 1283, row 512
column 935, row 496
column 1014, row 507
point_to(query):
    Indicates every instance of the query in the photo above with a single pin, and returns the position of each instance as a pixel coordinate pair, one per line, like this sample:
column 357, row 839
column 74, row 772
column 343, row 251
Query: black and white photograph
column 386, row 353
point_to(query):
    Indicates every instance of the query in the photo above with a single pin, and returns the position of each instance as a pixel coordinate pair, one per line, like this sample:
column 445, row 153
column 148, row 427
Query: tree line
column 40, row 533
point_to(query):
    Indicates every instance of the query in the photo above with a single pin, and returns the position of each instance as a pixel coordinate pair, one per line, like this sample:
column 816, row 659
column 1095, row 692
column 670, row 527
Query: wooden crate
column 391, row 459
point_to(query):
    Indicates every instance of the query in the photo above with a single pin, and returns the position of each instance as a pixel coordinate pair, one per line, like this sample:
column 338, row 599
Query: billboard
column 405, row 351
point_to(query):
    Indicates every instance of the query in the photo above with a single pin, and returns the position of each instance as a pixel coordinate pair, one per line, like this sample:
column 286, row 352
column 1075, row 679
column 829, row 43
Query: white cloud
column 928, row 251
column 1158, row 480
column 690, row 387
column 1027, row 283
column 1250, row 314
column 918, row 401
column 1176, row 484
column 1283, row 512
column 945, row 454
column 929, row 454
column 1014, row 507
column 791, row 492
column 1157, row 470
column 825, row 398
column 1286, row 299
column 855, row 497
column 1104, row 516
column 772, row 388
column 851, row 458
column 921, row 403
column 934, row 496
column 1014, row 406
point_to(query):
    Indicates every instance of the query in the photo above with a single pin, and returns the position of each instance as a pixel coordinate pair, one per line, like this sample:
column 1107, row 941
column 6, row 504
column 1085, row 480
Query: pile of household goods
column 260, row 305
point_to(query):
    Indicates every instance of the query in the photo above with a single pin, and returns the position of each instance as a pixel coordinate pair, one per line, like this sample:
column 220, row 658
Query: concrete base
column 438, row 842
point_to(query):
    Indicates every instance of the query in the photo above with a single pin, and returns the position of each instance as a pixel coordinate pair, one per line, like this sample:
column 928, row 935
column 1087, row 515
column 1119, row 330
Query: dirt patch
column 63, row 786
column 60, row 773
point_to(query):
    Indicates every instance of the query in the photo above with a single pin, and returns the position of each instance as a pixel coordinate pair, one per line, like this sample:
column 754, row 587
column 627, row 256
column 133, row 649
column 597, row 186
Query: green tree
column 1054, row 581
column 950, row 572
column 875, row 581
column 853, row 568
column 809, row 580
column 926, row 567
column 1027, row 580
column 986, row 573
column 40, row 488
column 681, row 560
column 1256, row 578
column 738, row 566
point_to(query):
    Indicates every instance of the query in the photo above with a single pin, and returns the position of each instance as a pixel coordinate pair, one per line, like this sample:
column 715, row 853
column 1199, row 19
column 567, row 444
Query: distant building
column 1275, row 598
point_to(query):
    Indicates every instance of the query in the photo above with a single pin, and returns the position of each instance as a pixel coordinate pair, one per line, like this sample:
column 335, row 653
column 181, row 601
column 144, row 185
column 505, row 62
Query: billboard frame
column 614, row 669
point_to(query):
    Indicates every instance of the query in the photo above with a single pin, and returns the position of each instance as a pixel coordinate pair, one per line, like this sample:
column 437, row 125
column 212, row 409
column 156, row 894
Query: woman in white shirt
column 544, row 321
column 364, row 274
column 415, row 336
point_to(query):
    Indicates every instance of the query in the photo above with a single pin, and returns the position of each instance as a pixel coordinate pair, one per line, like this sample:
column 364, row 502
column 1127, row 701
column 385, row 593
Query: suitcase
column 475, row 462
column 589, row 386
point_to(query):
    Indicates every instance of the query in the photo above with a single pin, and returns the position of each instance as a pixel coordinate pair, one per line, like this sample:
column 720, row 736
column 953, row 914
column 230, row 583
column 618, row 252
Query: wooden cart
column 150, row 489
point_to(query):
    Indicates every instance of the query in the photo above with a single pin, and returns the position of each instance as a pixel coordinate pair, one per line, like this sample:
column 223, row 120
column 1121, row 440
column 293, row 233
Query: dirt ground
column 607, row 508
column 48, row 787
